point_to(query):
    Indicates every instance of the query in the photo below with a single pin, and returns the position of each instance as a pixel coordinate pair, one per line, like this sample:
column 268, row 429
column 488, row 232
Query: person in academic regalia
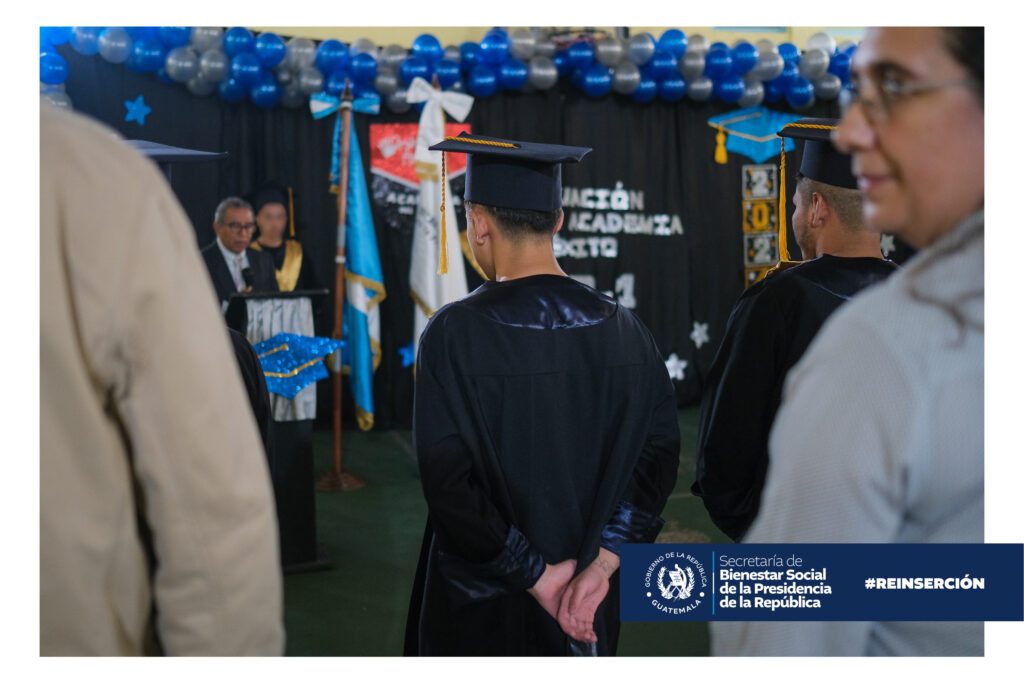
column 774, row 322
column 274, row 218
column 545, row 427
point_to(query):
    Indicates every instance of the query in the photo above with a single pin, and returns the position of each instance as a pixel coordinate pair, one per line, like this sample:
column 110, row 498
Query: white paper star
column 887, row 244
column 676, row 368
column 699, row 334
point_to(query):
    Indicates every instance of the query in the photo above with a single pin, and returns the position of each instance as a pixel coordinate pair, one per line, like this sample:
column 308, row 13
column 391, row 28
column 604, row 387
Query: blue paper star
column 137, row 110
column 408, row 354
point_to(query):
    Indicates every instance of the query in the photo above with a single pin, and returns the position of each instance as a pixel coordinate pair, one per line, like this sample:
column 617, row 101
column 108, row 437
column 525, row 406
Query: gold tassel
column 442, row 262
column 291, row 213
column 720, row 155
column 783, row 247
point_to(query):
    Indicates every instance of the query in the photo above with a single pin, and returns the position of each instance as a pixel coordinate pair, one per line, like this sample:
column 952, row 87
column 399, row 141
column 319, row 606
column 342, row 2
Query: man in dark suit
column 233, row 266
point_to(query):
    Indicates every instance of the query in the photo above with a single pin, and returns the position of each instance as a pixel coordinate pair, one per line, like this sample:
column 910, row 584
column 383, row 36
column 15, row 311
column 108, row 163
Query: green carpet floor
column 373, row 534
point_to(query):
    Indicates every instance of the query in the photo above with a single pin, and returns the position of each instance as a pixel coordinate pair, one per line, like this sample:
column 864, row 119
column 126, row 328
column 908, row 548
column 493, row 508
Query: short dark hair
column 967, row 46
column 847, row 203
column 516, row 224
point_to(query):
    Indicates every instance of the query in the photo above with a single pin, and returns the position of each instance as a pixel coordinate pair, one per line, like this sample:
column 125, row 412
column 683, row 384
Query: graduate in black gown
column 276, row 225
column 546, row 432
column 774, row 322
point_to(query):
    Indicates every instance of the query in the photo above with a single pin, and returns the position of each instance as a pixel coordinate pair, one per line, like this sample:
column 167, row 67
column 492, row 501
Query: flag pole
column 338, row 479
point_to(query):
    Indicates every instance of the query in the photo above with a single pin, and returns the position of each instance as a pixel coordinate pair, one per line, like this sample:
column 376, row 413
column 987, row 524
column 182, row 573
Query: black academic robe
column 545, row 427
column 255, row 383
column 262, row 266
column 770, row 327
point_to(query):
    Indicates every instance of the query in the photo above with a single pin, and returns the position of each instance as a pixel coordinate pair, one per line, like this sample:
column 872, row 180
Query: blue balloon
column 581, row 55
column 672, row 89
column 428, row 48
column 363, row 67
column 840, row 66
column 850, row 50
column 730, row 88
column 597, row 80
column 332, row 54
column 174, row 36
column 789, row 52
column 482, row 81
column 717, row 63
column 447, row 73
column 471, row 55
column 360, row 89
column 147, row 54
column 245, row 68
column 231, row 90
column 494, row 48
column 86, row 39
column 335, row 81
column 674, row 42
column 662, row 65
column 143, row 32
column 800, row 92
column 266, row 92
column 744, row 58
column 646, row 91
column 270, row 50
column 237, row 40
column 773, row 92
column 562, row 64
column 413, row 67
column 53, row 69
column 718, row 45
column 512, row 74
column 54, row 35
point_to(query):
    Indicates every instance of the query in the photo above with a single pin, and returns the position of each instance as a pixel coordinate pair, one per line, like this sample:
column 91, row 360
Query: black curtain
column 663, row 152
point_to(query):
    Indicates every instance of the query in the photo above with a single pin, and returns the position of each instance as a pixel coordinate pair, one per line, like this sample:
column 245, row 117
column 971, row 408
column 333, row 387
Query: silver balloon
column 207, row 38
column 452, row 53
column 44, row 87
column 691, row 65
column 698, row 43
column 83, row 38
column 625, row 77
column 396, row 101
column 769, row 66
column 827, row 87
column 291, row 96
column 822, row 41
column 284, row 75
column 640, row 48
column 541, row 72
column 392, row 56
column 813, row 64
column 846, row 45
column 213, row 66
column 310, row 80
column 115, row 45
column 386, row 82
column 544, row 47
column 699, row 89
column 56, row 98
column 608, row 51
column 200, row 87
column 361, row 45
column 753, row 95
column 182, row 64
column 300, row 53
column 764, row 46
column 522, row 44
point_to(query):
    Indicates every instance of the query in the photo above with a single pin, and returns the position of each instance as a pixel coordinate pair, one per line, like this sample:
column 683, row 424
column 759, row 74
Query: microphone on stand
column 247, row 276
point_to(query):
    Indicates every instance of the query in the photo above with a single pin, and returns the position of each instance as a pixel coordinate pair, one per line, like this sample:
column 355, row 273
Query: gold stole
column 288, row 275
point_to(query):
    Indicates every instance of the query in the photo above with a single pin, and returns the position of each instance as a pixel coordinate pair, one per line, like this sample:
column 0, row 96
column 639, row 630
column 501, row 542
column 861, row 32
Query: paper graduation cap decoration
column 508, row 173
column 165, row 155
column 750, row 132
column 291, row 362
column 821, row 161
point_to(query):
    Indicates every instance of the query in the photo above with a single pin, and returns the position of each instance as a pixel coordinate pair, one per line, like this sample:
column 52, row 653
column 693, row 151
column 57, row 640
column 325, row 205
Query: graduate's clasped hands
column 573, row 602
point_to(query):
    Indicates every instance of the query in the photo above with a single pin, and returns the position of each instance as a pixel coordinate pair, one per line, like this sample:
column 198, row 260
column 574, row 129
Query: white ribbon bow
column 455, row 103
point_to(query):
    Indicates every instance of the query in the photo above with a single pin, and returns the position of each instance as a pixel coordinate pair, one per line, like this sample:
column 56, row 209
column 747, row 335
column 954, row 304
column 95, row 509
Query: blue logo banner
column 822, row 582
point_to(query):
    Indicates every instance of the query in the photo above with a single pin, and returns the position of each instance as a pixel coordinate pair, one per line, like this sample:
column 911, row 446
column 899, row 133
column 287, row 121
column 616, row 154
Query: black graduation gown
column 772, row 324
column 545, row 427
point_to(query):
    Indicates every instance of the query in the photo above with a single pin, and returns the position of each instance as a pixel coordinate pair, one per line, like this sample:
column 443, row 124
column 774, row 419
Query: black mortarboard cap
column 821, row 160
column 510, row 173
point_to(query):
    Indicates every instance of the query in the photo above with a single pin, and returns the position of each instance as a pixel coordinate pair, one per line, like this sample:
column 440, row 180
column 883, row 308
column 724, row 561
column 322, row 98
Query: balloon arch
column 272, row 71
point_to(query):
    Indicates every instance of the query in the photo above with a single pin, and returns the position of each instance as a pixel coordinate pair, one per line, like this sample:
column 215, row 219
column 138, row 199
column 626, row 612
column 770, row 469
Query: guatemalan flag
column 364, row 281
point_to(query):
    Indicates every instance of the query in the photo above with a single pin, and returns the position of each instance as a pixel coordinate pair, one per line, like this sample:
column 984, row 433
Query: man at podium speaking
column 233, row 266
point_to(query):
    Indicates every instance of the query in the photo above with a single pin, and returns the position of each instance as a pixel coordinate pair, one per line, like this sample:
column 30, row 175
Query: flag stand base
column 343, row 480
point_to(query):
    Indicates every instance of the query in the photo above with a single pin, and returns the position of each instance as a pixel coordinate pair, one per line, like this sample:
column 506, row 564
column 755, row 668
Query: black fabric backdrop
column 664, row 150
